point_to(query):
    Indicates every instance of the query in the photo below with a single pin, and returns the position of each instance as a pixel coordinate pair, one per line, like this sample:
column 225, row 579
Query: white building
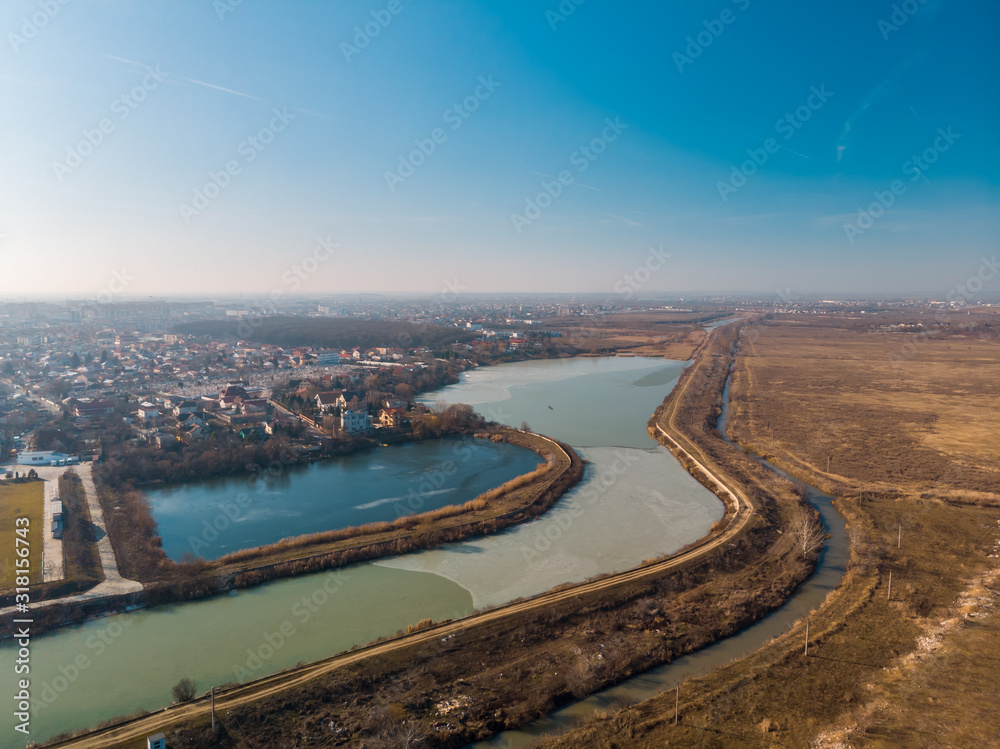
column 45, row 458
column 327, row 358
column 355, row 422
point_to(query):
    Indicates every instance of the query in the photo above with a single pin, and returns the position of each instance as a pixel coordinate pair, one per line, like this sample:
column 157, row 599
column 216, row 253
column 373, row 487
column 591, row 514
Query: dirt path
column 52, row 548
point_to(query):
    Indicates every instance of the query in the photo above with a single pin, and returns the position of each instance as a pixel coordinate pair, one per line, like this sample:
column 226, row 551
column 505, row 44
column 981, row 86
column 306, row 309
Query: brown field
column 854, row 687
column 891, row 412
column 672, row 335
column 917, row 669
column 80, row 554
column 21, row 500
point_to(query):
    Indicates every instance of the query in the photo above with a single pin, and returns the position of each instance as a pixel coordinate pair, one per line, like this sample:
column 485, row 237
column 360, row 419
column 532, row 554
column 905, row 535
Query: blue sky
column 695, row 91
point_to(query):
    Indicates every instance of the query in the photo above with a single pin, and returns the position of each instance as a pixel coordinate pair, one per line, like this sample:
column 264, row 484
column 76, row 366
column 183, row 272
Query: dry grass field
column 16, row 501
column 672, row 335
column 859, row 686
column 916, row 668
column 890, row 412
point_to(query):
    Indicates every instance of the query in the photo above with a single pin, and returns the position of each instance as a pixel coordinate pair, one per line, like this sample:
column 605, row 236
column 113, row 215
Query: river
column 830, row 569
column 635, row 502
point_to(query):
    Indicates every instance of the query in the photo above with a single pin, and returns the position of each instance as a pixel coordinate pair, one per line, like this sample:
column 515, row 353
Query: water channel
column 830, row 569
column 635, row 502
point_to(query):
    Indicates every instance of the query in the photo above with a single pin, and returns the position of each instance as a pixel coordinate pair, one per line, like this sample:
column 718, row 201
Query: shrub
column 184, row 690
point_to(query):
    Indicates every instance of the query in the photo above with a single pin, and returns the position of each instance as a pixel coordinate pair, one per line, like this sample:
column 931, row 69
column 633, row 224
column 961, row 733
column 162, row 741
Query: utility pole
column 899, row 538
column 806, row 652
column 889, row 595
column 677, row 705
column 827, row 463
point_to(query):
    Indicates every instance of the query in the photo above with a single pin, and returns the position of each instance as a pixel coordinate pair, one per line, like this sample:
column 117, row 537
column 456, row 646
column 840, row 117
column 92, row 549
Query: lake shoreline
column 521, row 499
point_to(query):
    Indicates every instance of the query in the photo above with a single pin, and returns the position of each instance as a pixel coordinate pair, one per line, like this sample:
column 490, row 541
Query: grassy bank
column 21, row 499
column 82, row 568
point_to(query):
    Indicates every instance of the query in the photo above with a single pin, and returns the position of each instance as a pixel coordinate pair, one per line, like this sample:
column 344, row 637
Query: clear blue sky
column 691, row 111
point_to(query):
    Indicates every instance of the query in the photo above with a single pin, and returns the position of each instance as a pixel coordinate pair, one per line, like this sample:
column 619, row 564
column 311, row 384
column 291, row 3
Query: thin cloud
column 752, row 217
column 185, row 78
column 786, row 148
column 221, row 88
column 871, row 98
column 217, row 87
column 572, row 182
column 125, row 60
column 628, row 221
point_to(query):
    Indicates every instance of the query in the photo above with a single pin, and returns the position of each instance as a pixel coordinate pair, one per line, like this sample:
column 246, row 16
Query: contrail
column 189, row 80
column 220, row 88
column 572, row 182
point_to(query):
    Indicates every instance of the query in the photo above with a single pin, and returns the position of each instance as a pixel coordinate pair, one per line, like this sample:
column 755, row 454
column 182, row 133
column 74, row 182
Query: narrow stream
column 830, row 569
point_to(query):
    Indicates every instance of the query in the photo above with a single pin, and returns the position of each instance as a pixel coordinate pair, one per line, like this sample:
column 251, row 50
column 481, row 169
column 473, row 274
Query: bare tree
column 405, row 735
column 184, row 690
column 809, row 534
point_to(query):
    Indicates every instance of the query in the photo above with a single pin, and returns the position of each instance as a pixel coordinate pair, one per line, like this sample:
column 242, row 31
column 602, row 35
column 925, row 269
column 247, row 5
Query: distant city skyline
column 736, row 147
